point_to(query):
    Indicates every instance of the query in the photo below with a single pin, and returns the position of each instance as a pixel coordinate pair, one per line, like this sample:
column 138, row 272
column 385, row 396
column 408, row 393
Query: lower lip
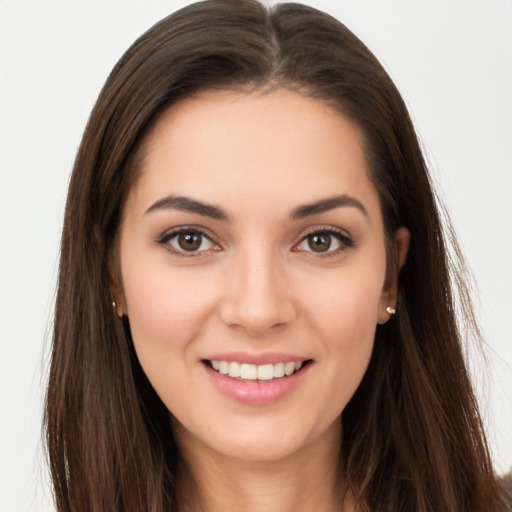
column 256, row 392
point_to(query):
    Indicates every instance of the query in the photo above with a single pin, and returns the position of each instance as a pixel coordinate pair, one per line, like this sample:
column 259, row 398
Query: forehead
column 279, row 147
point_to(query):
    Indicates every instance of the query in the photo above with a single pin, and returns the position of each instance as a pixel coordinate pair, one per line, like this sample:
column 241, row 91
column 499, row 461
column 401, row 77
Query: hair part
column 412, row 436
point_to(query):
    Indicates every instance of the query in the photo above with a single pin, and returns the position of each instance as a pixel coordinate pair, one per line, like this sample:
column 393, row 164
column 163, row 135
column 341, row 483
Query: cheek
column 344, row 312
column 165, row 307
column 346, row 303
column 349, row 333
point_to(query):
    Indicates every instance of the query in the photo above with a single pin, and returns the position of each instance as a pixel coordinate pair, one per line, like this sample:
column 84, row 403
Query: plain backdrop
column 452, row 61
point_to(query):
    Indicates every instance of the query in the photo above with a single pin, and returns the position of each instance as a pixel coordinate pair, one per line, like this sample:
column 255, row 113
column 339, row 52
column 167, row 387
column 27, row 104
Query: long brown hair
column 412, row 435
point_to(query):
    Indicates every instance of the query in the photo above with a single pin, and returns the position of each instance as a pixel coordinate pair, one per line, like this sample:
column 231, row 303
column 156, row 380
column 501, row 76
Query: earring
column 114, row 305
column 391, row 310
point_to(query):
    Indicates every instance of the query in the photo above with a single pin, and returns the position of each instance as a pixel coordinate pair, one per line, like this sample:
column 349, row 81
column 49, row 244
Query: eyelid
column 178, row 230
column 341, row 235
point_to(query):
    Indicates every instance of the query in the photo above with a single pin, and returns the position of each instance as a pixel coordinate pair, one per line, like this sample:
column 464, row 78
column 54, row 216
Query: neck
column 305, row 481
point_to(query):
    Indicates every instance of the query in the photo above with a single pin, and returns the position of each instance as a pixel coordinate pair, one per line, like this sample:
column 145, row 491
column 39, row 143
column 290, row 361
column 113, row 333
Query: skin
column 256, row 286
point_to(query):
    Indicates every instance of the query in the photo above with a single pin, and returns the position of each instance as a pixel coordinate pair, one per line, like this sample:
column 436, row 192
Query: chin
column 259, row 450
column 262, row 441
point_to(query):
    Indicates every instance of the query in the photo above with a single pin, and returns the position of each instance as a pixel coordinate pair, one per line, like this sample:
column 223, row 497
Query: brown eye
column 189, row 241
column 319, row 242
column 325, row 242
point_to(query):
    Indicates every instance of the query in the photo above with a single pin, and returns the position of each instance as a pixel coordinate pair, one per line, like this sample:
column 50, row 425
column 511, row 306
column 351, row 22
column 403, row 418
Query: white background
column 452, row 62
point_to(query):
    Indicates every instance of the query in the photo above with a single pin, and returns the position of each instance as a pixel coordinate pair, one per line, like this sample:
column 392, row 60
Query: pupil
column 189, row 241
column 319, row 243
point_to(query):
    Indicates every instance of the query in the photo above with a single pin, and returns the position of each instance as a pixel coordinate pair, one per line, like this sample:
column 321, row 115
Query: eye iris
column 319, row 242
column 190, row 241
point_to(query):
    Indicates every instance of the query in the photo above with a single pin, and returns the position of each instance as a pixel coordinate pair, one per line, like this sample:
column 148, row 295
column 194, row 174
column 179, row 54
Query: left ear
column 115, row 284
column 388, row 299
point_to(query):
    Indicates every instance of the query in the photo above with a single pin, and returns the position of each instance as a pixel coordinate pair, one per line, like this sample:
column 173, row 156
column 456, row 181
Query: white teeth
column 223, row 367
column 289, row 368
column 234, row 369
column 249, row 371
column 279, row 370
column 255, row 372
column 266, row 372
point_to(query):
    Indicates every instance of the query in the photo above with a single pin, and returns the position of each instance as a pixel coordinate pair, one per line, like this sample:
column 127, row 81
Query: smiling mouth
column 254, row 372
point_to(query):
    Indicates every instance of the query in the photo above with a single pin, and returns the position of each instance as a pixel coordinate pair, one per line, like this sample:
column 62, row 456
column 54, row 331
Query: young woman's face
column 252, row 266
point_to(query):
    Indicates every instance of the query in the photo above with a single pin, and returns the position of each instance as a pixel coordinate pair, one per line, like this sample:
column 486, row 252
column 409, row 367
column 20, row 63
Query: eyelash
column 346, row 242
column 169, row 235
column 343, row 238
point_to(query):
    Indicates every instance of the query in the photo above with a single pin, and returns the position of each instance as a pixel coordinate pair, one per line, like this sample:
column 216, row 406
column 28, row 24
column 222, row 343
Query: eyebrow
column 325, row 205
column 187, row 204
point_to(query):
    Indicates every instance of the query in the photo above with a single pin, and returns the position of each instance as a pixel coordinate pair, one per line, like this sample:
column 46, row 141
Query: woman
column 254, row 307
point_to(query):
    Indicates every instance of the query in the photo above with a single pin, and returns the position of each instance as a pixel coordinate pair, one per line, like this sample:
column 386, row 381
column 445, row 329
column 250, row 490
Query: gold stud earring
column 114, row 305
column 391, row 310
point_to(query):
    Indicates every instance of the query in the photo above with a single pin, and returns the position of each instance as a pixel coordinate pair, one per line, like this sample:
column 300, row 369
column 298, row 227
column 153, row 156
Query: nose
column 258, row 296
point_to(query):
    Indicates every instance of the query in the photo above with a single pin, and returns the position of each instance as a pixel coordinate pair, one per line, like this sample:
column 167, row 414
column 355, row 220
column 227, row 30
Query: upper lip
column 256, row 359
